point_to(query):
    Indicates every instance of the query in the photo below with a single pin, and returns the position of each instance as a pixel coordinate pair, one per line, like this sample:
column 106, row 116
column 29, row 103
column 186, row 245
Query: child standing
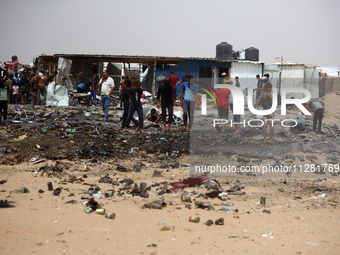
column 135, row 105
column 267, row 101
column 15, row 94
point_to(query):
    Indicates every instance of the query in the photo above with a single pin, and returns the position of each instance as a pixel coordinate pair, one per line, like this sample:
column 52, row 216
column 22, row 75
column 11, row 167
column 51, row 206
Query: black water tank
column 236, row 54
column 14, row 58
column 224, row 51
column 252, row 54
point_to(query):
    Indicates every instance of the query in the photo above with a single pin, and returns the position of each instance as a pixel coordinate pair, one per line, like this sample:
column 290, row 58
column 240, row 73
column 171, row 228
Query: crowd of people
column 131, row 93
column 30, row 86
column 27, row 86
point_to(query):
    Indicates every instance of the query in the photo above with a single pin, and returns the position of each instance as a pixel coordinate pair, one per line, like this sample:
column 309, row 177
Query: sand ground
column 300, row 221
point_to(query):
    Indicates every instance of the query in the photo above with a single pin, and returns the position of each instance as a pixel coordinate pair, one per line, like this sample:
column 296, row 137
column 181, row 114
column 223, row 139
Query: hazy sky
column 304, row 31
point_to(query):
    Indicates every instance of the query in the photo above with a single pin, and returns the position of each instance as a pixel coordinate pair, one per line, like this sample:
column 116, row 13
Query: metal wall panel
column 246, row 71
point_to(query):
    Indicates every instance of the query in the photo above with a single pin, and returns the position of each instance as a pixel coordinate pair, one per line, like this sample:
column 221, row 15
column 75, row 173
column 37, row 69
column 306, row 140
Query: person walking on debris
column 135, row 105
column 318, row 110
column 4, row 90
column 34, row 87
column 167, row 99
column 126, row 103
column 107, row 86
column 174, row 81
column 188, row 99
column 266, row 100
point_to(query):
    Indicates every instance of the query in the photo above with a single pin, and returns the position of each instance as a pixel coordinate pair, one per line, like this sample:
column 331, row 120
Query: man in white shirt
column 107, row 85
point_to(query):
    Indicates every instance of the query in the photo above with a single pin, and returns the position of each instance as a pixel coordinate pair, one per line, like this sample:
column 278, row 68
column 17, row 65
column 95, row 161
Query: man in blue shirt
column 188, row 99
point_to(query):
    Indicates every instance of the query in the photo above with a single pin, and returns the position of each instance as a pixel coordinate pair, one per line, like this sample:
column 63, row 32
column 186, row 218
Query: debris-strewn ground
column 85, row 158
column 302, row 221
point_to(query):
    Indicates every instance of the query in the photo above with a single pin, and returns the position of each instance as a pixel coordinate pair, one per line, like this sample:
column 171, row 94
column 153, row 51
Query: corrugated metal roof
column 131, row 58
column 104, row 56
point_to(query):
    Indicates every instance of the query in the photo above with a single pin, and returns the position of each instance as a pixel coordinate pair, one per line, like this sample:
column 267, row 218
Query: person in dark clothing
column 23, row 85
column 3, row 75
column 94, row 86
column 153, row 115
column 52, row 77
column 4, row 90
column 167, row 99
column 126, row 103
column 135, row 105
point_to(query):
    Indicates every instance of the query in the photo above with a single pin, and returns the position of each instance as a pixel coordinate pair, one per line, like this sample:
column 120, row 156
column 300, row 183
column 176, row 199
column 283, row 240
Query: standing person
column 267, row 101
column 259, row 88
column 10, row 84
column 223, row 109
column 126, row 103
column 94, row 84
column 185, row 77
column 159, row 82
column 237, row 117
column 42, row 89
column 122, row 88
column 237, row 82
column 15, row 78
column 3, row 75
column 174, row 80
column 226, row 79
column 188, row 98
column 318, row 109
column 23, row 85
column 107, row 85
column 4, row 89
column 15, row 94
column 136, row 105
column 34, row 87
column 167, row 99
column 52, row 77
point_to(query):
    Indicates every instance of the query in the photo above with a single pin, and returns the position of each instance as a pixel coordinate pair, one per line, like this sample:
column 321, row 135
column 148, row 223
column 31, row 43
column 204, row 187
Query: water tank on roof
column 224, row 51
column 236, row 54
column 252, row 54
